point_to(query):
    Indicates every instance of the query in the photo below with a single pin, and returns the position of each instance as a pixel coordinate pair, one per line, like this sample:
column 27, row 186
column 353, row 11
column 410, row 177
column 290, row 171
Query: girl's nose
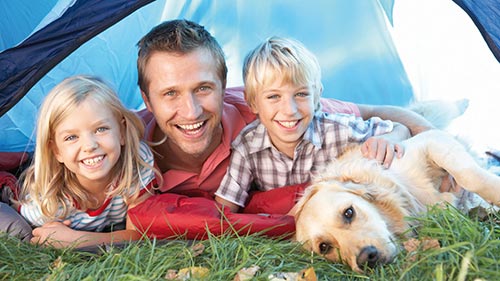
column 90, row 144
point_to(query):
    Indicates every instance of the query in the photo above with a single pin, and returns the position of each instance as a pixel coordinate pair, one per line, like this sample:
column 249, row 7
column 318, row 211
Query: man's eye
column 170, row 93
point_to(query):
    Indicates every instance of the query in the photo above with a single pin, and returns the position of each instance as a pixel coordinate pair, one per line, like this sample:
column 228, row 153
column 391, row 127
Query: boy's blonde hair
column 281, row 59
column 49, row 183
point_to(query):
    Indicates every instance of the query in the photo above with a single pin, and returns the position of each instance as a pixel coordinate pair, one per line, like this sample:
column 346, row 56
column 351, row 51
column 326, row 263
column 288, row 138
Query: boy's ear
column 250, row 103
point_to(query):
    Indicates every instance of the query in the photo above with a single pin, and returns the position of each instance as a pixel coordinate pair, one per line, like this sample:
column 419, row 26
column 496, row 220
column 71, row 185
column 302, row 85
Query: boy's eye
column 273, row 97
column 302, row 94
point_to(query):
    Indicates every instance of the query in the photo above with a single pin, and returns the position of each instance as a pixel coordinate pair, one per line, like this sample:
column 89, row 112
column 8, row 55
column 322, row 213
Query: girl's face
column 88, row 142
column 286, row 111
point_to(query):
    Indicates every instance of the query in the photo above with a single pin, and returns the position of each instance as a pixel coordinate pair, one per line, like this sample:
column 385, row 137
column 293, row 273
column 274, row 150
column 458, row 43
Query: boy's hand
column 382, row 150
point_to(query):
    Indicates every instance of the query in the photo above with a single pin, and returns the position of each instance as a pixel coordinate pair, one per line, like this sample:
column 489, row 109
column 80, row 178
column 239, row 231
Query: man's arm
column 413, row 121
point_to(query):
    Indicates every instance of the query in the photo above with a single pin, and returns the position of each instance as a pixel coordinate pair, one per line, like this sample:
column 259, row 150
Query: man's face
column 186, row 97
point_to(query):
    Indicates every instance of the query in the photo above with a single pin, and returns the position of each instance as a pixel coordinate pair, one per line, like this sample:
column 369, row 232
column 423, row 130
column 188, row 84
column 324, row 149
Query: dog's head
column 344, row 222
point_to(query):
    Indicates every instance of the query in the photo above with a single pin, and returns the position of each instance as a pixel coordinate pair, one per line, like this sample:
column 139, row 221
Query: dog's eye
column 349, row 214
column 324, row 248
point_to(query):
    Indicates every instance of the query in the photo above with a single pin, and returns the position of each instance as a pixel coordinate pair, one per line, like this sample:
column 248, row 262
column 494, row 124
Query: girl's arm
column 60, row 235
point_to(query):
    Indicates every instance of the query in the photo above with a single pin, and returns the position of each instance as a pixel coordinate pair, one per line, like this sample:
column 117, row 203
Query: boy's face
column 286, row 110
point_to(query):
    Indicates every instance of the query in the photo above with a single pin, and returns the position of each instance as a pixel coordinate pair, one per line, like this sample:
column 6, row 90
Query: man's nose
column 191, row 107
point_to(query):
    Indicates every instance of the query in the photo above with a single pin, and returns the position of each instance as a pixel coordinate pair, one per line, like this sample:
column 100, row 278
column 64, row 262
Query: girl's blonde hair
column 281, row 59
column 49, row 183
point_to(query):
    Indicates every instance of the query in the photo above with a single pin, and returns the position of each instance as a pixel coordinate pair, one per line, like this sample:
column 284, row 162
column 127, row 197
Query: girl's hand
column 56, row 234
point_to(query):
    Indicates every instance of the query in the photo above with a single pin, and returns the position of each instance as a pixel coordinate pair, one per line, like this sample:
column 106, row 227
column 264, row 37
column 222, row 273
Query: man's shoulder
column 234, row 98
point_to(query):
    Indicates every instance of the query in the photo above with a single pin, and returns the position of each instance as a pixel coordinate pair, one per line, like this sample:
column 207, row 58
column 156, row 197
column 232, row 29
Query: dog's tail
column 440, row 112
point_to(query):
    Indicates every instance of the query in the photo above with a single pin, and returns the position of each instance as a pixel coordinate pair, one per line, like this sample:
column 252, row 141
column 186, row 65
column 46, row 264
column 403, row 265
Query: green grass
column 470, row 250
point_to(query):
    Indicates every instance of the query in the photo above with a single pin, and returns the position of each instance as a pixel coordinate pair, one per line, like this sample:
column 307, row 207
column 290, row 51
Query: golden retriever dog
column 356, row 210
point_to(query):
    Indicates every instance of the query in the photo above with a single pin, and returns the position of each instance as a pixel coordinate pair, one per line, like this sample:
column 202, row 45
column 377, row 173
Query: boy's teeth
column 93, row 161
column 191, row 126
column 288, row 124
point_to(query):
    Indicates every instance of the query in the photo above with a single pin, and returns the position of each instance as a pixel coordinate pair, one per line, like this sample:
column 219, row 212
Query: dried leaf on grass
column 197, row 249
column 246, row 273
column 304, row 275
column 58, row 263
column 187, row 273
column 412, row 245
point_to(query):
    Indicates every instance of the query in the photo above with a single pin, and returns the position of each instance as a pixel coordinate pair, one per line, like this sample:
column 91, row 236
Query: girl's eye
column 101, row 129
column 70, row 138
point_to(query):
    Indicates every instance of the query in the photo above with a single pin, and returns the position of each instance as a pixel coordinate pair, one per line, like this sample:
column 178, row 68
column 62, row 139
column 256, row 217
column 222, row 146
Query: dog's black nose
column 368, row 256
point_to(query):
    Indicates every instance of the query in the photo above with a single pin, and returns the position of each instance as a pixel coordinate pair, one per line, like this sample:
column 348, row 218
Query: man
column 193, row 118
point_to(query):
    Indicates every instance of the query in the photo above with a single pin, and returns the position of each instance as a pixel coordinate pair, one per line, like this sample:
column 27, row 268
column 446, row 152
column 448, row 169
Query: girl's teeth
column 93, row 161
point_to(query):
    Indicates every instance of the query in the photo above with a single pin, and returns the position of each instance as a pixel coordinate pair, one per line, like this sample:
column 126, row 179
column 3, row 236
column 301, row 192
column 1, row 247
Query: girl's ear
column 55, row 151
column 123, row 131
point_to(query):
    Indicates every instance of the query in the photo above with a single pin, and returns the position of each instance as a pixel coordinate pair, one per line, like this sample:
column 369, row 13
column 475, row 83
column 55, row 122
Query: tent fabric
column 351, row 39
column 486, row 16
column 359, row 60
column 25, row 64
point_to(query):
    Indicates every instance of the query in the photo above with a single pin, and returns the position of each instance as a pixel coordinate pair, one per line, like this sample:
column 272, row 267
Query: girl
column 89, row 167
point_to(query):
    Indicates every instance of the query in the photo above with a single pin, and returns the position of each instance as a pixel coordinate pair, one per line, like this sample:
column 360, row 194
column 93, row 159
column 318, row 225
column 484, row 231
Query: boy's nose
column 289, row 106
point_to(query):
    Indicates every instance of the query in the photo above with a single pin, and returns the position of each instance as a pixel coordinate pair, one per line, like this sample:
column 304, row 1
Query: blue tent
column 42, row 42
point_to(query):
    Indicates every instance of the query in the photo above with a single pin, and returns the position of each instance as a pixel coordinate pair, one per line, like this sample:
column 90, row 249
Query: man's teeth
column 288, row 124
column 92, row 161
column 191, row 126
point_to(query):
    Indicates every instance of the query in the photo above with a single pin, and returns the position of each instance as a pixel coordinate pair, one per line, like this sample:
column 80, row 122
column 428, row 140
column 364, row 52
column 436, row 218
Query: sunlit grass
column 470, row 249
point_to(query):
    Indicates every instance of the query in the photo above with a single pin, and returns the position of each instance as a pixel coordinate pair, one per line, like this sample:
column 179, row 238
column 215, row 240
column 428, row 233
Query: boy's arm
column 384, row 147
column 227, row 204
column 415, row 122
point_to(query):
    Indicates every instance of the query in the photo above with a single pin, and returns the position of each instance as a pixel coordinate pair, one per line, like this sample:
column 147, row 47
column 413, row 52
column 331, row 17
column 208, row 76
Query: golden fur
column 356, row 210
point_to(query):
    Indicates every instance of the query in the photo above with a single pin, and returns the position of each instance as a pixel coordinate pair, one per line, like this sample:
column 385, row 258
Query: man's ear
column 145, row 98
column 251, row 103
column 123, row 131
column 55, row 151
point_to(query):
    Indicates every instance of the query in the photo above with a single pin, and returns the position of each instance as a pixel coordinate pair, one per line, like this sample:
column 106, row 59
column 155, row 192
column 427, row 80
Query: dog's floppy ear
column 308, row 193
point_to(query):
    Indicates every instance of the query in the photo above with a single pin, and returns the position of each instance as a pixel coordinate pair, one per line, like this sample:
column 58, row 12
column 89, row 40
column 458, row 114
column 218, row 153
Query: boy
column 292, row 137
